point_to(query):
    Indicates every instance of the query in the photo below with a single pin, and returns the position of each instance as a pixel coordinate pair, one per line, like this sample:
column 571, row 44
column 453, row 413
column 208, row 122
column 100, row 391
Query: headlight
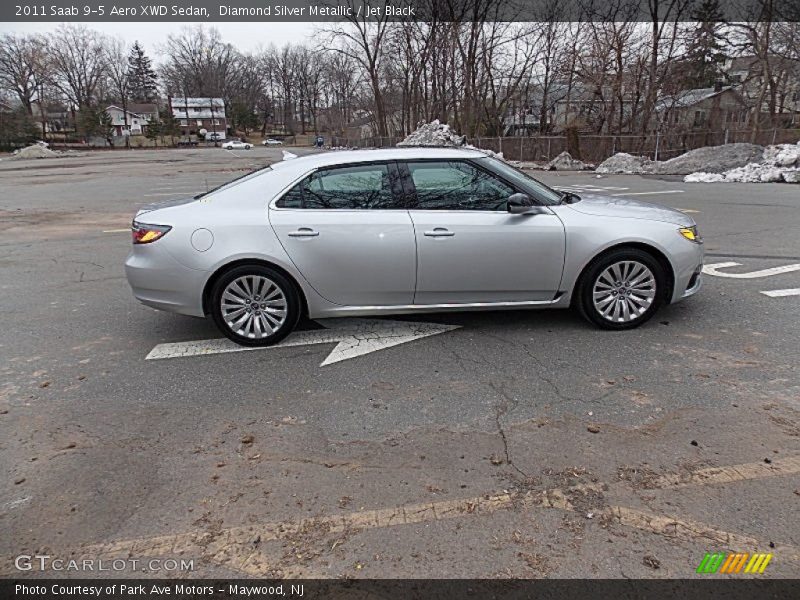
column 690, row 233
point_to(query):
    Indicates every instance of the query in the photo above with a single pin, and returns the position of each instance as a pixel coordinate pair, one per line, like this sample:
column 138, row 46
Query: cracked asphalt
column 521, row 444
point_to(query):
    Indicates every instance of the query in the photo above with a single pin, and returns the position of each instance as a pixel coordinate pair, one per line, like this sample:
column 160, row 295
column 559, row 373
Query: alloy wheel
column 253, row 306
column 624, row 291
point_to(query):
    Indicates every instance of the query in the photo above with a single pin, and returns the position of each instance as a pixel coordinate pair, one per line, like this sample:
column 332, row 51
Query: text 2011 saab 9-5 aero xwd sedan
column 381, row 232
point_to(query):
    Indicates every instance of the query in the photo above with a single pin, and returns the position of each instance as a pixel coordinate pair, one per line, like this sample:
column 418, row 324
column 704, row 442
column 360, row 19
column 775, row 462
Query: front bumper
column 688, row 273
column 161, row 282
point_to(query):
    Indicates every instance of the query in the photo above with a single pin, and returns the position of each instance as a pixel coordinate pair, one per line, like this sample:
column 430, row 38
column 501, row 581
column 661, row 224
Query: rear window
column 233, row 182
column 357, row 187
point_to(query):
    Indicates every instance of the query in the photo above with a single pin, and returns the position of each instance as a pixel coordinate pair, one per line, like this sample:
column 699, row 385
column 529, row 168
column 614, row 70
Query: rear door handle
column 303, row 232
column 439, row 232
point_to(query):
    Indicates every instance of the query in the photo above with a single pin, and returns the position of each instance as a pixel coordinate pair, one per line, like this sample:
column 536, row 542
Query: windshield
column 543, row 193
column 232, row 182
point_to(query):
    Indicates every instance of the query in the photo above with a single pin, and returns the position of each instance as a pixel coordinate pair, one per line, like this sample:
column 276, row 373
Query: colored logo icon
column 738, row 562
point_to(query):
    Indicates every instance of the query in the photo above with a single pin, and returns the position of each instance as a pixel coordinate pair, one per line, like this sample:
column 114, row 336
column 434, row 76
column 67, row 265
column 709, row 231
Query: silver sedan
column 382, row 232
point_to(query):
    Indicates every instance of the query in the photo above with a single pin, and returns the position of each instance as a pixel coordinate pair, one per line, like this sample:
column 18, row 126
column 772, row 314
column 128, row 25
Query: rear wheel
column 622, row 289
column 255, row 305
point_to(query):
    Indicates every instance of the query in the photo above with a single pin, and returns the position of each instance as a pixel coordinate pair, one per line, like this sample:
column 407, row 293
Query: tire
column 261, row 322
column 621, row 289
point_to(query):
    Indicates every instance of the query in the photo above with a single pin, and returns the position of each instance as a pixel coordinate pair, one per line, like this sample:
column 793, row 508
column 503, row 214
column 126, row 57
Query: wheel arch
column 251, row 261
column 657, row 254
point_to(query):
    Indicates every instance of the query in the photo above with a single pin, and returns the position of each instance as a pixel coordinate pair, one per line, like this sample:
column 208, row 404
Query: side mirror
column 521, row 204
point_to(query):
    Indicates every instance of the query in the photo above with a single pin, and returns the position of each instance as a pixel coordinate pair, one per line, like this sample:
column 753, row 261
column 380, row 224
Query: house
column 138, row 118
column 703, row 109
column 199, row 116
column 746, row 72
column 57, row 118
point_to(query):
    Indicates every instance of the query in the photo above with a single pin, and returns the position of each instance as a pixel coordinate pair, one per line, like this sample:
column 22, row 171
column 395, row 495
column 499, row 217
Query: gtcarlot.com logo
column 45, row 562
column 734, row 562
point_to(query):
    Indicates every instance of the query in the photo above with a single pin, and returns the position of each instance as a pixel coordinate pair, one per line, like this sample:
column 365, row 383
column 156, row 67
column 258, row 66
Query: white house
column 139, row 116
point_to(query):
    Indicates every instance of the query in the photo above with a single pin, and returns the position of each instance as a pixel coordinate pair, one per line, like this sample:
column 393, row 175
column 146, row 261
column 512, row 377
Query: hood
column 163, row 204
column 608, row 206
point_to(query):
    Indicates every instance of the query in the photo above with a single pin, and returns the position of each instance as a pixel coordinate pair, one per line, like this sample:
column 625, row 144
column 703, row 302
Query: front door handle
column 439, row 232
column 303, row 232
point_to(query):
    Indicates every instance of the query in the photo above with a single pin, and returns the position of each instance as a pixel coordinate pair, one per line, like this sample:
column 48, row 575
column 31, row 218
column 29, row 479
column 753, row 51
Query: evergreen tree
column 168, row 126
column 154, row 130
column 141, row 76
column 706, row 51
column 17, row 129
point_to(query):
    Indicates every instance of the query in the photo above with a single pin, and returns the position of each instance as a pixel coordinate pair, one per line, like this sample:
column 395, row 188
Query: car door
column 349, row 235
column 469, row 247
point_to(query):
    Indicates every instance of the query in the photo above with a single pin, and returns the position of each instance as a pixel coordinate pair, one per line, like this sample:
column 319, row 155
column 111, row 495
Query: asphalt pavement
column 501, row 444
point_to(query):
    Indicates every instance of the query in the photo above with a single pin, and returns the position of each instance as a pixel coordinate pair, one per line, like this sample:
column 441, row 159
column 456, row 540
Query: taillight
column 144, row 233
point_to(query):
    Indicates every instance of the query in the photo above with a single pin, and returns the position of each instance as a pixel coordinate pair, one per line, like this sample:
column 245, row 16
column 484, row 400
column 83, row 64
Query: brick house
column 200, row 116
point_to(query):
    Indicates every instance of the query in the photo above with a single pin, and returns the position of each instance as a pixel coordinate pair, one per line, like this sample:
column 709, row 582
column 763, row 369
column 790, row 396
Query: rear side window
column 455, row 185
column 356, row 187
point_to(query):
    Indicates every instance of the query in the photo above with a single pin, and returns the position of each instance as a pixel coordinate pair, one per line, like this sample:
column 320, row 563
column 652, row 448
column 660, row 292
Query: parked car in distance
column 236, row 145
column 272, row 142
column 403, row 231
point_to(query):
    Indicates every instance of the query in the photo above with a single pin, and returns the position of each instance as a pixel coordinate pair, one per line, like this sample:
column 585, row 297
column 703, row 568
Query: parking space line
column 126, row 230
column 729, row 474
column 688, row 211
column 185, row 193
column 782, row 293
column 650, row 193
column 236, row 542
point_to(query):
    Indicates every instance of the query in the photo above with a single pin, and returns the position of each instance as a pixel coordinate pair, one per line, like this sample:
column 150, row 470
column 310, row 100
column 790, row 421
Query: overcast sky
column 245, row 36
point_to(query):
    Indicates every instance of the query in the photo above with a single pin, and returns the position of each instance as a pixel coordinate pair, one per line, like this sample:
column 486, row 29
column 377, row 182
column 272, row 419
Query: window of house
column 216, row 122
column 184, row 123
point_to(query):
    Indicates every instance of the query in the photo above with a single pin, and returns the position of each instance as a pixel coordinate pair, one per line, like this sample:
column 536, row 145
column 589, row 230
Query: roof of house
column 143, row 108
column 688, row 98
column 132, row 109
column 196, row 102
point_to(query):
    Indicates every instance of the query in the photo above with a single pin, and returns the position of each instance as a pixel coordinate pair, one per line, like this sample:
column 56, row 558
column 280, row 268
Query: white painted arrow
column 714, row 269
column 355, row 337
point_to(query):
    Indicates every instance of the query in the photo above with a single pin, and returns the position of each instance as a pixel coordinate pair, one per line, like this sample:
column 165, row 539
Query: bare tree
column 23, row 66
column 362, row 40
column 79, row 63
column 116, row 58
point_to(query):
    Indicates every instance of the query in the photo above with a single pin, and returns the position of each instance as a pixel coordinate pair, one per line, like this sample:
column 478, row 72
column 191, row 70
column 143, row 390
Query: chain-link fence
column 596, row 148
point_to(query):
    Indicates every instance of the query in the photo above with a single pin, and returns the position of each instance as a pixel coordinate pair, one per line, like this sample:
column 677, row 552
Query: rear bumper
column 161, row 282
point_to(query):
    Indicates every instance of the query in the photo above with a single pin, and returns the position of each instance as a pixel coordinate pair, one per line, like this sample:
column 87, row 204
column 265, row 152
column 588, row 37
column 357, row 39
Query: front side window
column 356, row 187
column 456, row 185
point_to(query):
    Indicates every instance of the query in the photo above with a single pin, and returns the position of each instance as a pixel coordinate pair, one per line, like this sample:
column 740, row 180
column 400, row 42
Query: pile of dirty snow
column 622, row 162
column 565, row 162
column 434, row 134
column 35, row 151
column 776, row 164
column 439, row 135
column 712, row 159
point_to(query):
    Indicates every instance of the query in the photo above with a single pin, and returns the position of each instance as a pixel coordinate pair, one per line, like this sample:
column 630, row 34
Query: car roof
column 342, row 157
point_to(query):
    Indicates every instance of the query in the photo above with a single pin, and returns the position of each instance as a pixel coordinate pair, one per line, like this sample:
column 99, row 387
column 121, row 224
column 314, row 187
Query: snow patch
column 565, row 162
column 622, row 162
column 434, row 134
column 776, row 163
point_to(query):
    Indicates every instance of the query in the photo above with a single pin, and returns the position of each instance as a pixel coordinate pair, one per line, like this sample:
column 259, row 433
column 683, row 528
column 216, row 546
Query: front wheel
column 622, row 289
column 255, row 305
